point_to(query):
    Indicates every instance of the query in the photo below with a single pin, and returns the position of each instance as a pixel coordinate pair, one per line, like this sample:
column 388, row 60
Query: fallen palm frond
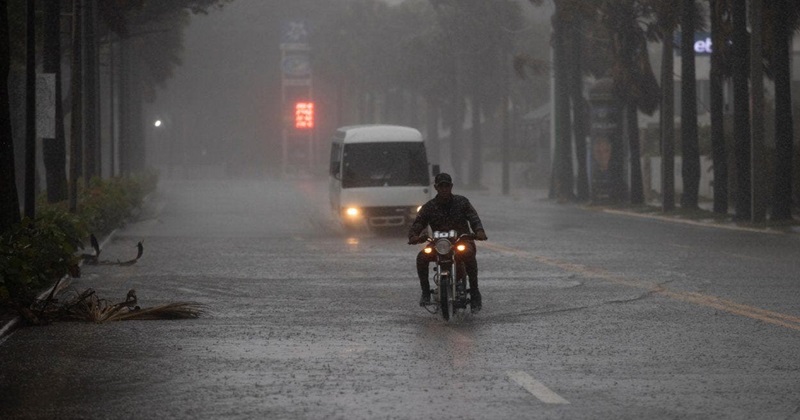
column 87, row 306
column 96, row 261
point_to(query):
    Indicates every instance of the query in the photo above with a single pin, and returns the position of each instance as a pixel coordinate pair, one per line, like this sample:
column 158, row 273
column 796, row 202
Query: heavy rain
column 399, row 209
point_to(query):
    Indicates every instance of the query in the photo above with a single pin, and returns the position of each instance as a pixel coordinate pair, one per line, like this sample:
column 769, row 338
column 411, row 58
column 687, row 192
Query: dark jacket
column 457, row 214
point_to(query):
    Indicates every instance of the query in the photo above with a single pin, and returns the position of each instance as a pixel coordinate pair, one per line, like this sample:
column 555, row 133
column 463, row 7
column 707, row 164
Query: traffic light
column 304, row 115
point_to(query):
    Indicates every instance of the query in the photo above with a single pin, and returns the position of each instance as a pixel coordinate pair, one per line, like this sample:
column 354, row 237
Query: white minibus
column 379, row 175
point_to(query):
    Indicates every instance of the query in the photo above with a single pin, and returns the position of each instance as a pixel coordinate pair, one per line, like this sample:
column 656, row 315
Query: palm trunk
column 76, row 135
column 9, row 200
column 477, row 143
column 784, row 126
column 717, row 118
column 667, row 126
column 91, row 147
column 689, row 141
column 579, row 110
column 432, row 130
column 758, row 165
column 562, row 162
column 30, row 110
column 54, row 150
column 741, row 109
column 632, row 120
column 124, row 118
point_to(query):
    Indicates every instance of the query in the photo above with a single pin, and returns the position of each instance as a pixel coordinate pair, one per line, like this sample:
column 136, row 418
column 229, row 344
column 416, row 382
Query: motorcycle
column 451, row 294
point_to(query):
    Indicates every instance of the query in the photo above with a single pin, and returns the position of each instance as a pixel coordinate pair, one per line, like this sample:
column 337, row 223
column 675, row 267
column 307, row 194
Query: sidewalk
column 705, row 216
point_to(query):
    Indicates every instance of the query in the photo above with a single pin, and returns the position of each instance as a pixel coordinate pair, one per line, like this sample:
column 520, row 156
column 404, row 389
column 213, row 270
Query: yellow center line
column 709, row 301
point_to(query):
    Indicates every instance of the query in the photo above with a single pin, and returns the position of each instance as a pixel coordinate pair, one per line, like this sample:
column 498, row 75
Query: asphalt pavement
column 588, row 313
column 9, row 321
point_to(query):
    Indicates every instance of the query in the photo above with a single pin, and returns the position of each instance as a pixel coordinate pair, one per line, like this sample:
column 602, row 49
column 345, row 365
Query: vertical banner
column 606, row 151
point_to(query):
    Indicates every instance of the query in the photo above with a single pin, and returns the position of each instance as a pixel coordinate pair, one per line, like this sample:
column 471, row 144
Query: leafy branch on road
column 36, row 254
column 87, row 306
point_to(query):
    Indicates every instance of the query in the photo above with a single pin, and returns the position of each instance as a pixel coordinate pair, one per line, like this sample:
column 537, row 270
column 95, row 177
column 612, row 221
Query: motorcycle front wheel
column 444, row 301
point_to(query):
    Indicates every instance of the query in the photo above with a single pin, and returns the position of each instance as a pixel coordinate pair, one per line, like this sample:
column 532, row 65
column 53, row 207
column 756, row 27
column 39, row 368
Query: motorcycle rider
column 445, row 212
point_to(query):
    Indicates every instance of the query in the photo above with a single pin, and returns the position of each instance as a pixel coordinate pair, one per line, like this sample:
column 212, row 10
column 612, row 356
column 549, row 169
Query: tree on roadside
column 630, row 25
column 566, row 41
column 9, row 209
column 54, row 151
column 424, row 61
column 690, row 149
column 720, row 69
column 757, row 154
column 741, row 108
column 666, row 23
column 784, row 16
column 151, row 40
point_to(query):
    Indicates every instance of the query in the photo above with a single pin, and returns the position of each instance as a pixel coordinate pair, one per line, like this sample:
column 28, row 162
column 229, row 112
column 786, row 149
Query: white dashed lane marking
column 543, row 393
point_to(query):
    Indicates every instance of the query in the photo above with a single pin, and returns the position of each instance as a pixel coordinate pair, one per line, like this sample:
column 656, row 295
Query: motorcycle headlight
column 443, row 246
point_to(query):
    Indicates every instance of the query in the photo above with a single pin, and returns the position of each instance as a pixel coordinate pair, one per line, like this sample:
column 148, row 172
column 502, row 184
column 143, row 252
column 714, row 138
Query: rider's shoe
column 475, row 300
column 425, row 299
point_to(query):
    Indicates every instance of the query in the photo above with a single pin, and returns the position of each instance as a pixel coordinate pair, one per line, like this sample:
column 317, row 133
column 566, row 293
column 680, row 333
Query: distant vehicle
column 379, row 175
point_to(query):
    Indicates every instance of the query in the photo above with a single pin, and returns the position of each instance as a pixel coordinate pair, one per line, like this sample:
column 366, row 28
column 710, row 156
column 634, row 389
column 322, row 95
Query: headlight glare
column 352, row 211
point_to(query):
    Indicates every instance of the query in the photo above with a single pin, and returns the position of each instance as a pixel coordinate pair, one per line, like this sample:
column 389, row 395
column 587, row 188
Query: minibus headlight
column 352, row 211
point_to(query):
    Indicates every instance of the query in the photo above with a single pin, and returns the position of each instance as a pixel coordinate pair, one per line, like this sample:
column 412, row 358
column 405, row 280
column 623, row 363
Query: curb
column 767, row 230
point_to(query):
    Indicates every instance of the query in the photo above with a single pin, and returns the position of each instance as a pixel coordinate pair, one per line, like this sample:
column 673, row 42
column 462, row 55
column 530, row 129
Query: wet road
column 586, row 315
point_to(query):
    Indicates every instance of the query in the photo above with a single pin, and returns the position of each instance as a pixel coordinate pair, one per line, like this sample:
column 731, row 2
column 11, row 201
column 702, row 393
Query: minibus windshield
column 384, row 164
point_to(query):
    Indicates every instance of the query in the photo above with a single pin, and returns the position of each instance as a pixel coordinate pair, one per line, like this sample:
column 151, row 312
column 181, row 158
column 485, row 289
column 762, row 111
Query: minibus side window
column 336, row 153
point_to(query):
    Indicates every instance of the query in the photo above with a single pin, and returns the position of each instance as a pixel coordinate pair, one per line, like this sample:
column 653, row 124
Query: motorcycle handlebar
column 424, row 239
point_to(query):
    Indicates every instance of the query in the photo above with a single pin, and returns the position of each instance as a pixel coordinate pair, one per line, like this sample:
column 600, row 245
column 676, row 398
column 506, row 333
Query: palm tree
column 689, row 142
column 784, row 17
column 562, row 179
column 720, row 32
column 568, row 22
column 634, row 81
column 741, row 108
column 758, row 184
column 9, row 209
column 54, row 150
column 666, row 23
column 580, row 107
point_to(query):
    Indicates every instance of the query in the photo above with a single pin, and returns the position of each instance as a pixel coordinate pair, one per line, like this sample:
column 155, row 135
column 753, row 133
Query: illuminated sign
column 703, row 46
column 702, row 43
column 304, row 115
